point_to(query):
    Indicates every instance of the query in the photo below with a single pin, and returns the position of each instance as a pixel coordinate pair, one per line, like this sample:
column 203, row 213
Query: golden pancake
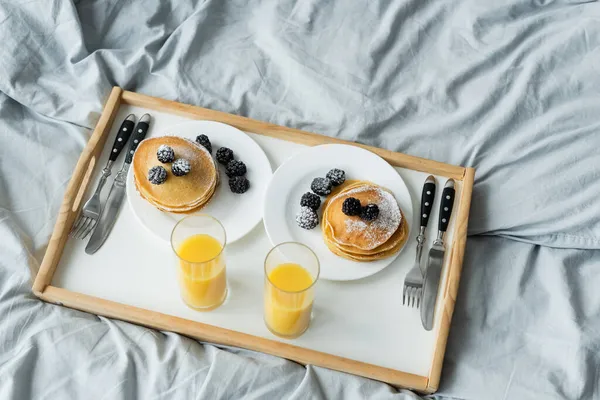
column 358, row 240
column 354, row 232
column 177, row 194
column 399, row 237
column 403, row 233
column 184, row 210
column 198, row 204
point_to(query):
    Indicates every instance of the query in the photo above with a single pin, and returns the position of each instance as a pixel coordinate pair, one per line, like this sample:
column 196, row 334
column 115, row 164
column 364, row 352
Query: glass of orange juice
column 199, row 243
column 291, row 271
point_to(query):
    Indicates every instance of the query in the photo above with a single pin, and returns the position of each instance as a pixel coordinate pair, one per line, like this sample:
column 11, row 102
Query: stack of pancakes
column 178, row 194
column 359, row 240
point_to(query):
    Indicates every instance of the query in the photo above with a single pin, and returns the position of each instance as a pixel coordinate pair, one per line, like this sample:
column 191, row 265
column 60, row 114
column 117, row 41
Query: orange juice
column 288, row 304
column 202, row 272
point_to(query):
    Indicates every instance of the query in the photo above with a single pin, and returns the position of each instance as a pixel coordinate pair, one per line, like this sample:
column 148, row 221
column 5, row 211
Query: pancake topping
column 389, row 214
column 165, row 154
column 370, row 212
column 157, row 175
column 181, row 167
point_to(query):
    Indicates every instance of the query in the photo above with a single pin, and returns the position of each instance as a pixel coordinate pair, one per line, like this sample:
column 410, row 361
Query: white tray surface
column 362, row 320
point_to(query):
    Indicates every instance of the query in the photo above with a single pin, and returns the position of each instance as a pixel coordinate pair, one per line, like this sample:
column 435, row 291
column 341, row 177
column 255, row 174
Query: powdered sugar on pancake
column 387, row 223
column 198, row 145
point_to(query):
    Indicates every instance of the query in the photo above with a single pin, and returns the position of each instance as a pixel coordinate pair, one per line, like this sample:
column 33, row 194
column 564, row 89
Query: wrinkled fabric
column 509, row 87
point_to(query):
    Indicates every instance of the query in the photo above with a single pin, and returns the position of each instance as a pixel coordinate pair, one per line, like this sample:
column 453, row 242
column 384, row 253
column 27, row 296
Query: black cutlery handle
column 427, row 197
column 138, row 135
column 446, row 205
column 122, row 137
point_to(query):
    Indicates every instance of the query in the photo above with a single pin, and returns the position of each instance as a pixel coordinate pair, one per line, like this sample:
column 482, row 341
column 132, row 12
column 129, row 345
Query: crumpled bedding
column 509, row 87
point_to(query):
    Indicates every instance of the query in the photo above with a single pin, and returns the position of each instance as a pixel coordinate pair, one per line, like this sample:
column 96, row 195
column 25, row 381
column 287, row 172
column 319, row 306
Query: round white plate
column 293, row 178
column 238, row 213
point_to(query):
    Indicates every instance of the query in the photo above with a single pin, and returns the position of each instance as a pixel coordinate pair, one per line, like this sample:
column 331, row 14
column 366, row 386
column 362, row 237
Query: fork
column 92, row 208
column 413, row 282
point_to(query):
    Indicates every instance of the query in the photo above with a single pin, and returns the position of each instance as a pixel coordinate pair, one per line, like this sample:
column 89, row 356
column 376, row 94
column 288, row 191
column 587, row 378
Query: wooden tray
column 53, row 287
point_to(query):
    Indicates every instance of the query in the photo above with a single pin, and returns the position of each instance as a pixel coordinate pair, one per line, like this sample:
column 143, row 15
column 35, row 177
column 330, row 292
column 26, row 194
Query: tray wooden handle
column 75, row 191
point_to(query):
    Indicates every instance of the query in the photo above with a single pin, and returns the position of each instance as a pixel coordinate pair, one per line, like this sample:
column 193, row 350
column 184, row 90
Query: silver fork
column 92, row 208
column 413, row 282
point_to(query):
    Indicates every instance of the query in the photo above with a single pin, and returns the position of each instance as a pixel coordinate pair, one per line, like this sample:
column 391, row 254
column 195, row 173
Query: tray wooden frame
column 81, row 178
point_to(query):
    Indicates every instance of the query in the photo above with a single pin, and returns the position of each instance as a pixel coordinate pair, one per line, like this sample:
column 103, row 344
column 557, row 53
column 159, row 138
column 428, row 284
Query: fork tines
column 82, row 227
column 411, row 296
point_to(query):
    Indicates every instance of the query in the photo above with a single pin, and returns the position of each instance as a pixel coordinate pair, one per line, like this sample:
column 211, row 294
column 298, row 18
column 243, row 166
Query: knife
column 109, row 213
column 436, row 258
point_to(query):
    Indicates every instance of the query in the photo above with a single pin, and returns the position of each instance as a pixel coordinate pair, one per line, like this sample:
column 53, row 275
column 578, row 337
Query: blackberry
column 203, row 140
column 336, row 176
column 239, row 184
column 157, row 175
column 165, row 154
column 370, row 212
column 235, row 168
column 310, row 200
column 181, row 167
column 307, row 218
column 321, row 186
column 351, row 207
column 224, row 155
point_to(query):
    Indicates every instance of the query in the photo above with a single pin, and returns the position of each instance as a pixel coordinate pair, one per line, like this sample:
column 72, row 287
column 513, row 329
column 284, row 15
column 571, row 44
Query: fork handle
column 427, row 197
column 122, row 137
column 103, row 177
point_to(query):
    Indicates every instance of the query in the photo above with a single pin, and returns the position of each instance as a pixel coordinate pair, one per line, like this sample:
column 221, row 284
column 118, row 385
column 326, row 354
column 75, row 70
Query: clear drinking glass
column 199, row 242
column 291, row 271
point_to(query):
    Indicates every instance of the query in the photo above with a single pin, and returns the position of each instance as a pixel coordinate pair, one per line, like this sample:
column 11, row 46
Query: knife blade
column 436, row 258
column 109, row 213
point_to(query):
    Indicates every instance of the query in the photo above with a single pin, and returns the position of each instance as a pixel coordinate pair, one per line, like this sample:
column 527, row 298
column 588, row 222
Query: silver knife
column 436, row 258
column 115, row 198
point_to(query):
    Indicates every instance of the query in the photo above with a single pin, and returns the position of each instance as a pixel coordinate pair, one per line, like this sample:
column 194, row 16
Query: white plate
column 238, row 213
column 293, row 178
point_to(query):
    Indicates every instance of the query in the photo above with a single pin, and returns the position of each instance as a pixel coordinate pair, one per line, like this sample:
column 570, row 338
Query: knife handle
column 138, row 135
column 427, row 197
column 122, row 136
column 446, row 205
